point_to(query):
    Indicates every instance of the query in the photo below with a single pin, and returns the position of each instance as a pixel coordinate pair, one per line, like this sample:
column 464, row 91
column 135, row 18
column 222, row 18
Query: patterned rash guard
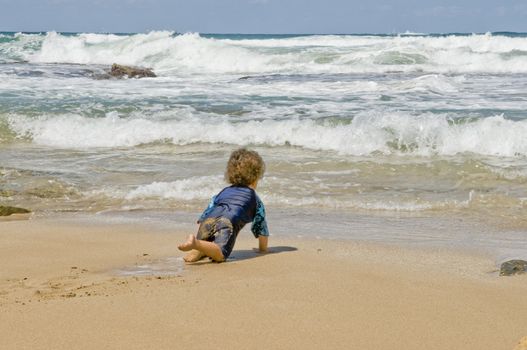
column 240, row 205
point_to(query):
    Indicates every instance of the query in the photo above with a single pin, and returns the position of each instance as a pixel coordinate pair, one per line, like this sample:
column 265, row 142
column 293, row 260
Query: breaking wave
column 169, row 53
column 395, row 133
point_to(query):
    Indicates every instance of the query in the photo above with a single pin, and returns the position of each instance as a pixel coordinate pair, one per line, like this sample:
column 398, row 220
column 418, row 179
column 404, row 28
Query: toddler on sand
column 230, row 210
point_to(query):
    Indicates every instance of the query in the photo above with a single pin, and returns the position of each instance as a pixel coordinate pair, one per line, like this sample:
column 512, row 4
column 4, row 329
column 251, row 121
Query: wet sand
column 62, row 287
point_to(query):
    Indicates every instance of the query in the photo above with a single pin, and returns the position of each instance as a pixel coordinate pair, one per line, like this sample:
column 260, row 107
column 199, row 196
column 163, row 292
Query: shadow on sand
column 245, row 254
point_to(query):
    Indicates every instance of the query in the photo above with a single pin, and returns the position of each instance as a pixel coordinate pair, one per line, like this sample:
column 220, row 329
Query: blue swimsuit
column 227, row 213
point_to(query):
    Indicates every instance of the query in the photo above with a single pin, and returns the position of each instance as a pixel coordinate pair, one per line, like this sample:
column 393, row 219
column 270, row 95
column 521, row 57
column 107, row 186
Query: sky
column 265, row 16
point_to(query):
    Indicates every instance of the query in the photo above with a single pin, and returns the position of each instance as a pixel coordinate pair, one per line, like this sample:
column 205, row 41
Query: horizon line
column 409, row 33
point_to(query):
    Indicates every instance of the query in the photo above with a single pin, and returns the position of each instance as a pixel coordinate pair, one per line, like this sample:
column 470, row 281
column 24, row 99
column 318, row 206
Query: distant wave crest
column 169, row 53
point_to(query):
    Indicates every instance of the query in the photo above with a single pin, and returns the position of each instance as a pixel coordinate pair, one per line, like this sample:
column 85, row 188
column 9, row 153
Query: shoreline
column 456, row 232
column 60, row 288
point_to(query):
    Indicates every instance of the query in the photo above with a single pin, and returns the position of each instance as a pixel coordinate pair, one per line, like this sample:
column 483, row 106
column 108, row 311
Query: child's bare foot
column 193, row 256
column 189, row 244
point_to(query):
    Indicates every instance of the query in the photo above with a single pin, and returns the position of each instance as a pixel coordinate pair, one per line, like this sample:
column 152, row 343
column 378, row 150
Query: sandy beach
column 62, row 286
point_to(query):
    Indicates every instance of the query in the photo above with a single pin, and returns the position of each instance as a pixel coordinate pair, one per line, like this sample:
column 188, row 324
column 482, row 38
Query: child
column 230, row 210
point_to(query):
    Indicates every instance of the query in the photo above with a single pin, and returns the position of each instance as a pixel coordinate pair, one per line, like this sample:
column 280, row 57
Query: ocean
column 412, row 138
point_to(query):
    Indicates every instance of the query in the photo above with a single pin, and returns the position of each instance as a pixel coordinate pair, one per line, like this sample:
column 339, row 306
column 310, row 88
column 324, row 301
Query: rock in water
column 6, row 211
column 120, row 71
column 513, row 267
column 7, row 193
column 522, row 345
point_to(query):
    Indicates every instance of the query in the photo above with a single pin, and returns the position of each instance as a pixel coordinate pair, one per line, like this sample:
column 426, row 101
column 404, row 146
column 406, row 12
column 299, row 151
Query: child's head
column 244, row 168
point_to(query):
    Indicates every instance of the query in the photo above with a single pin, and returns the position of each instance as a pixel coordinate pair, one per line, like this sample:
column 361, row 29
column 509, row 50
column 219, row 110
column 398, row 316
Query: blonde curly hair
column 244, row 167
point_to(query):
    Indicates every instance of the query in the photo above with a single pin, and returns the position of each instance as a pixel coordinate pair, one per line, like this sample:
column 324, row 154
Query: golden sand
column 60, row 289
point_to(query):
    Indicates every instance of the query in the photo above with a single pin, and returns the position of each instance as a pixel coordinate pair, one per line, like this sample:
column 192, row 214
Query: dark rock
column 7, row 193
column 6, row 211
column 99, row 76
column 513, row 267
column 120, row 71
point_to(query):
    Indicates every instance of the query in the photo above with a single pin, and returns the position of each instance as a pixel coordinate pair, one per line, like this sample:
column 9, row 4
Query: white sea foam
column 190, row 53
column 196, row 191
column 18, row 47
column 350, row 203
column 160, row 50
column 201, row 187
column 436, row 83
column 390, row 133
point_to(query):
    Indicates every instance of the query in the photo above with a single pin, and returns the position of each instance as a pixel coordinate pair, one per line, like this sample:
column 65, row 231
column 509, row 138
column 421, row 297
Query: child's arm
column 262, row 243
column 259, row 227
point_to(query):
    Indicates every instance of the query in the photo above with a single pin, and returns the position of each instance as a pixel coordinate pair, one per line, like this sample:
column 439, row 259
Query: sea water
column 411, row 137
